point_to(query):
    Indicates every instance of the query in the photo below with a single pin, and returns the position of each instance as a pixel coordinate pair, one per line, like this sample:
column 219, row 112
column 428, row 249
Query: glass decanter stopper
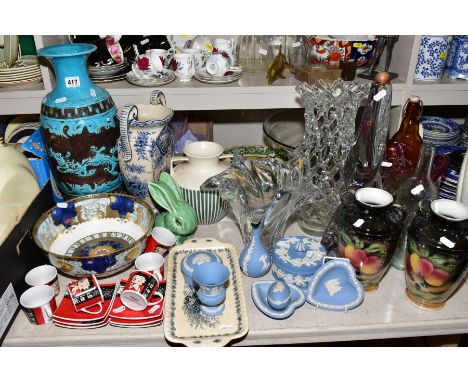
column 410, row 193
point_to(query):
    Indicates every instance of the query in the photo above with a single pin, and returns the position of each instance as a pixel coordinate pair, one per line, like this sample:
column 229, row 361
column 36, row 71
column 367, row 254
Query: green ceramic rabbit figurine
column 180, row 217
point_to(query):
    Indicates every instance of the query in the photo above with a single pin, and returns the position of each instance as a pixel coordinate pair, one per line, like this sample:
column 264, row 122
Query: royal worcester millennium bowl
column 100, row 234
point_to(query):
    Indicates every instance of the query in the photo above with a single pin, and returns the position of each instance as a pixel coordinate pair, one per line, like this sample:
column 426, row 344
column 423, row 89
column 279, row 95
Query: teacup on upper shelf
column 183, row 65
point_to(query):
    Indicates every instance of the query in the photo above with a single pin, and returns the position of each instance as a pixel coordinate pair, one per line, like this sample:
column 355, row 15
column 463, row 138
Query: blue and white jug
column 145, row 144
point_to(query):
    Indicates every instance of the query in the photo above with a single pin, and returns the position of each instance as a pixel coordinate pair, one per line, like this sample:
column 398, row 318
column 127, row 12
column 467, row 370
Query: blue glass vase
column 79, row 125
column 255, row 259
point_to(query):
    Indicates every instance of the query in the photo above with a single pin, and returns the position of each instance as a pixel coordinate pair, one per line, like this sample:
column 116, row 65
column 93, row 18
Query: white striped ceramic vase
column 209, row 206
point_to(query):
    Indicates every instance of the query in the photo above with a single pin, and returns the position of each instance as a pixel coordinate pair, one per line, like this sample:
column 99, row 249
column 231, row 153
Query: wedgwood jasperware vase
column 437, row 252
column 145, row 143
column 203, row 160
column 255, row 259
column 79, row 125
column 369, row 228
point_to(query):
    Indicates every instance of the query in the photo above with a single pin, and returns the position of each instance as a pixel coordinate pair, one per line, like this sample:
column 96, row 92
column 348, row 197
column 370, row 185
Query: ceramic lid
column 298, row 254
column 260, row 295
column 189, row 262
column 335, row 287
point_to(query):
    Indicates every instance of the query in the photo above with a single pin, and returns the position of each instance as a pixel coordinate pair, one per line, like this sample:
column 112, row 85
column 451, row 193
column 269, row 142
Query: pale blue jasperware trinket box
column 296, row 259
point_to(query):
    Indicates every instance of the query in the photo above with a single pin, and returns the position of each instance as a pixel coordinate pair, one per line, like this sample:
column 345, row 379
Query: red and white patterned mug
column 39, row 304
column 139, row 291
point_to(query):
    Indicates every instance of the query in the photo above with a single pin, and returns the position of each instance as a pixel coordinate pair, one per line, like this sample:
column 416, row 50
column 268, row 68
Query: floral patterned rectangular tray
column 183, row 321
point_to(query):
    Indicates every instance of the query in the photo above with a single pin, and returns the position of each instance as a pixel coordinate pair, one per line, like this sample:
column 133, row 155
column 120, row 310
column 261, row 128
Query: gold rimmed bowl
column 98, row 234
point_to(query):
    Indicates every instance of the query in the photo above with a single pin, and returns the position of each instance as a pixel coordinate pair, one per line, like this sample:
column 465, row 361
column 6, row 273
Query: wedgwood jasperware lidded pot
column 369, row 228
column 145, row 143
column 437, row 252
column 203, row 160
column 79, row 125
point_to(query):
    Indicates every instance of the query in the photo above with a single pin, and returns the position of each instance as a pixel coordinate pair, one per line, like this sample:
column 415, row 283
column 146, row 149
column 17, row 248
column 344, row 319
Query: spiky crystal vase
column 330, row 115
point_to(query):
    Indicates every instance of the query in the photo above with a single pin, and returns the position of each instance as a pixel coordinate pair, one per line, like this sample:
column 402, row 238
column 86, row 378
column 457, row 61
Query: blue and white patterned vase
column 79, row 125
column 432, row 57
column 457, row 66
column 145, row 144
column 255, row 259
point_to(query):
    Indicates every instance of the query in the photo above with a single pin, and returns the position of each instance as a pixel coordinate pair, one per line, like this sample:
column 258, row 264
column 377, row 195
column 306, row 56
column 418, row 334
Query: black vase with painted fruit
column 437, row 252
column 368, row 230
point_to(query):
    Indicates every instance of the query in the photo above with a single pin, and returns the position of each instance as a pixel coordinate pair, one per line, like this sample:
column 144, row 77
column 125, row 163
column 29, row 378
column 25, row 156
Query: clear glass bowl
column 284, row 129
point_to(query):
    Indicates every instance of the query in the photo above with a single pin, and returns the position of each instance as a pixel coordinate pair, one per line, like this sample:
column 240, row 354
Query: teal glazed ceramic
column 79, row 125
column 260, row 293
column 296, row 258
column 335, row 287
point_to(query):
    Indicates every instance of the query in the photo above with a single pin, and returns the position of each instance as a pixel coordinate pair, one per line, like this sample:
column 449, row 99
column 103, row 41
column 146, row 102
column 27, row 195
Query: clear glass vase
column 330, row 114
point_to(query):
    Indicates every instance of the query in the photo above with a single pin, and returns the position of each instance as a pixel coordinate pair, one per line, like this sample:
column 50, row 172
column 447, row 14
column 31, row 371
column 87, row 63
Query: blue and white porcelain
column 212, row 311
column 255, row 259
column 211, row 278
column 214, row 300
column 335, row 287
column 440, row 131
column 260, row 298
column 296, row 258
column 279, row 295
column 457, row 66
column 79, row 125
column 432, row 57
column 145, row 144
column 196, row 258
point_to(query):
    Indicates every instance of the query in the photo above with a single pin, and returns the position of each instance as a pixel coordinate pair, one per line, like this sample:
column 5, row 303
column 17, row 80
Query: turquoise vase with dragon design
column 79, row 125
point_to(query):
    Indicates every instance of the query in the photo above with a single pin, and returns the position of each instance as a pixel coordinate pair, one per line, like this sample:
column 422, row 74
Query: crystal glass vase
column 330, row 114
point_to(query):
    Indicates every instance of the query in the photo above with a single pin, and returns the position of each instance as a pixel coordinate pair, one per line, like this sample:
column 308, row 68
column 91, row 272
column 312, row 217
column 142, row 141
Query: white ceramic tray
column 183, row 321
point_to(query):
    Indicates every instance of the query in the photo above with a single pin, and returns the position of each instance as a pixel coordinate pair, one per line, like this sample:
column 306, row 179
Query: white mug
column 159, row 59
column 184, row 66
column 151, row 262
column 39, row 304
column 217, row 65
column 198, row 56
column 43, row 275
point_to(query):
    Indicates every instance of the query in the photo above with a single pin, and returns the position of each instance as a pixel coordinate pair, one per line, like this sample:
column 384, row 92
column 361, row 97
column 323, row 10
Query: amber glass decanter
column 402, row 150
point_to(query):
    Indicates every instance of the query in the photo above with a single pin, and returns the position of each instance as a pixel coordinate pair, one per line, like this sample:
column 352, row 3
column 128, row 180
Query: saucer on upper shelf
column 233, row 74
column 117, row 77
column 166, row 78
column 335, row 287
column 260, row 293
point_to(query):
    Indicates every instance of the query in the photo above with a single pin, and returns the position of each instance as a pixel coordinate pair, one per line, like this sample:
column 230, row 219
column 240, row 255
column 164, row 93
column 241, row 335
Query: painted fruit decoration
column 369, row 258
column 430, row 275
